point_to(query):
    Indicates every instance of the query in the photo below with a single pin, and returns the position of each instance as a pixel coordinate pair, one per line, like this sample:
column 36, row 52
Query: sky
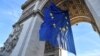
column 10, row 11
column 86, row 39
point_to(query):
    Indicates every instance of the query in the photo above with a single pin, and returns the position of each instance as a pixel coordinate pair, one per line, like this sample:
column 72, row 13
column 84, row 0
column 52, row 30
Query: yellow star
column 54, row 25
column 67, row 27
column 65, row 17
column 52, row 17
column 67, row 23
column 63, row 29
column 60, row 28
column 51, row 14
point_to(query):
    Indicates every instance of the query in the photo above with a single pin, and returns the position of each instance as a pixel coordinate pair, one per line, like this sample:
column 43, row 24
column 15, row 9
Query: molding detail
column 11, row 41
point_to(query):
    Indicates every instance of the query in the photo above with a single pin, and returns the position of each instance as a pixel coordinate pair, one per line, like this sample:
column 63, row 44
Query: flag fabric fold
column 56, row 28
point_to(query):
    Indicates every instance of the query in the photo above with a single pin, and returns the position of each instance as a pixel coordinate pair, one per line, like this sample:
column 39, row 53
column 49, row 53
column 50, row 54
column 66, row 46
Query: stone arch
column 79, row 19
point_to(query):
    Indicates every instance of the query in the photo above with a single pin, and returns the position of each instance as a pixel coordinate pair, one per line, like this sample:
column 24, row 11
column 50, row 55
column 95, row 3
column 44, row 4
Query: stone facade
column 11, row 41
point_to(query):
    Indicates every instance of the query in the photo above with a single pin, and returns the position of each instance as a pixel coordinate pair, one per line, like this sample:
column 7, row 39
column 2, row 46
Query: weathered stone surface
column 94, row 7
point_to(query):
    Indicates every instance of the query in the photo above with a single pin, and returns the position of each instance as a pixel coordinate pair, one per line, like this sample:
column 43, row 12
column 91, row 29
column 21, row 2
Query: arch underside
column 78, row 11
column 79, row 19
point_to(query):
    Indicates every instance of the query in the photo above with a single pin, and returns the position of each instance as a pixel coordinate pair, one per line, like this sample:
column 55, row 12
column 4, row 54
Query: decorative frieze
column 12, row 40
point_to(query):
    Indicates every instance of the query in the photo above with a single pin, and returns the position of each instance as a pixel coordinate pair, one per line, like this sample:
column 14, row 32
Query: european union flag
column 56, row 28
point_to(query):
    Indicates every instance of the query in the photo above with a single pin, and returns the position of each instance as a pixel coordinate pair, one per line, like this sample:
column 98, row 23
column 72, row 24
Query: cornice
column 26, row 4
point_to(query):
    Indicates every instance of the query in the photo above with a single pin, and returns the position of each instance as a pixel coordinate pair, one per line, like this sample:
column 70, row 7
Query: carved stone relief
column 12, row 40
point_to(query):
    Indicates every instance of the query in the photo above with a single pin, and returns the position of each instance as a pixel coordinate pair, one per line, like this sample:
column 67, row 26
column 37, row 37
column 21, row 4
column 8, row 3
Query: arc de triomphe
column 24, row 39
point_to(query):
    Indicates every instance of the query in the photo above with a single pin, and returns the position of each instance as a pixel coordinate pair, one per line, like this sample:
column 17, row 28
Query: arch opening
column 79, row 19
column 86, row 40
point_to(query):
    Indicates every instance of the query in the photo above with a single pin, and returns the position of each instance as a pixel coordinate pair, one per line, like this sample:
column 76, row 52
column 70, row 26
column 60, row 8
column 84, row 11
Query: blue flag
column 56, row 28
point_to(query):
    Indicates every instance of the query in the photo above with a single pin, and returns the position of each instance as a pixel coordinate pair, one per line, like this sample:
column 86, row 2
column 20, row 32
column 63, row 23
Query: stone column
column 28, row 43
column 94, row 8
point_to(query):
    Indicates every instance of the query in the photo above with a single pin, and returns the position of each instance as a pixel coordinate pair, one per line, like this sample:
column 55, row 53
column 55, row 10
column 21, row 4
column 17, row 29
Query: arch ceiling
column 78, row 11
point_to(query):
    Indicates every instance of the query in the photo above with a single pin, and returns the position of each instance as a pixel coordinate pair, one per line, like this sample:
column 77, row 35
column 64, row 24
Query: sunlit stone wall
column 94, row 6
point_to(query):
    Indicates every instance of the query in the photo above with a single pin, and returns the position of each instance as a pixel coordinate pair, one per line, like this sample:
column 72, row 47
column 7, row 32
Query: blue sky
column 86, row 40
column 10, row 12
